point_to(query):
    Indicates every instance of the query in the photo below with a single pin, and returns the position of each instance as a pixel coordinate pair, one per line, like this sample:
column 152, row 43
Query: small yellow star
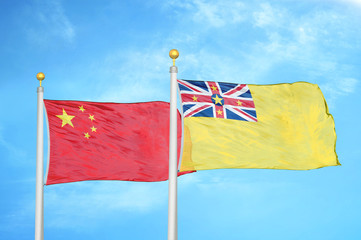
column 214, row 88
column 86, row 135
column 66, row 119
column 218, row 100
column 93, row 129
column 91, row 117
column 239, row 103
column 219, row 112
column 195, row 99
column 81, row 108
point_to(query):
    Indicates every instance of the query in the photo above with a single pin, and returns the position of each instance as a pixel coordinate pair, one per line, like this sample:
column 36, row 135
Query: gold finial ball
column 40, row 76
column 173, row 53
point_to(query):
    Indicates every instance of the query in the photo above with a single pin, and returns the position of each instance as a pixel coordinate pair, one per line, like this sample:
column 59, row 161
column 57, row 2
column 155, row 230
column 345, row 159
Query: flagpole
column 39, row 197
column 173, row 166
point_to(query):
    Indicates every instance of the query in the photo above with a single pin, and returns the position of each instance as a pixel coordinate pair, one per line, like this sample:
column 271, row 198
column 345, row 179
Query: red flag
column 108, row 141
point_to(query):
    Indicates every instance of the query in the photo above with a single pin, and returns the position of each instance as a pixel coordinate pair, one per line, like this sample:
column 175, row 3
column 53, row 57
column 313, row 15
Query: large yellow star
column 195, row 99
column 81, row 108
column 218, row 100
column 66, row 119
column 239, row 103
column 91, row 117
column 94, row 129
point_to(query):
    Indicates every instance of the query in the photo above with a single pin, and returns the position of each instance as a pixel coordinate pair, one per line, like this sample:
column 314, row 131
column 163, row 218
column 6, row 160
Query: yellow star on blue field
column 66, row 119
column 217, row 100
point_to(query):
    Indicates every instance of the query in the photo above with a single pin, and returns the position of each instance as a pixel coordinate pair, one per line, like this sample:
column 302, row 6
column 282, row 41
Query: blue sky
column 117, row 51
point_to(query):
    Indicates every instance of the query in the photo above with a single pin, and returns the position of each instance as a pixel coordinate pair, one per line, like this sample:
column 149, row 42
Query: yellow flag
column 291, row 127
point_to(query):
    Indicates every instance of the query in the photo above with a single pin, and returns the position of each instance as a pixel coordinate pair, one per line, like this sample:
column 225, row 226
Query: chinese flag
column 108, row 141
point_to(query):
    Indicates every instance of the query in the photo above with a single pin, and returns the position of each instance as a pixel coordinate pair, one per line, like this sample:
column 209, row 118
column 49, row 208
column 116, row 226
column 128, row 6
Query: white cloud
column 211, row 13
column 302, row 41
column 76, row 204
column 218, row 186
column 348, row 85
column 354, row 2
column 50, row 22
column 305, row 41
column 204, row 65
column 304, row 35
column 268, row 15
column 136, row 75
column 218, row 13
column 338, row 87
column 13, row 151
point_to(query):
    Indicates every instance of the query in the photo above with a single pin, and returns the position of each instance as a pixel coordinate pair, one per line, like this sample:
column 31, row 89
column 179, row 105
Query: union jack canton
column 218, row 100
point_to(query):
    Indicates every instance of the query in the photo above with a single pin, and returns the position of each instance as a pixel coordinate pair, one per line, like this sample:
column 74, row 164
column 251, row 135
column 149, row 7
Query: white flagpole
column 39, row 199
column 173, row 166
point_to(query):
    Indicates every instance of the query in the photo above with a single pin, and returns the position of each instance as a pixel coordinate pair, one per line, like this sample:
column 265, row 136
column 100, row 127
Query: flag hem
column 48, row 133
column 334, row 128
